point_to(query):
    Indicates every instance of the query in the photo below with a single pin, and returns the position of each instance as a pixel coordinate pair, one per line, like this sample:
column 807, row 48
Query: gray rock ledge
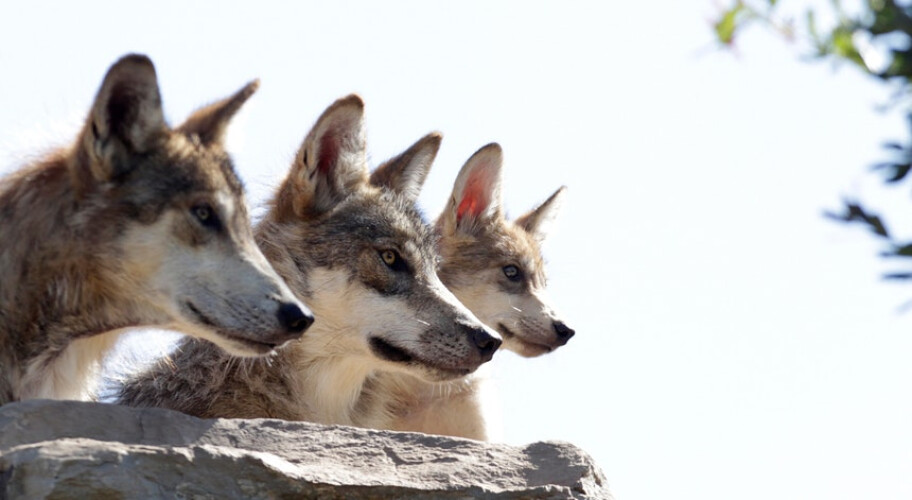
column 67, row 449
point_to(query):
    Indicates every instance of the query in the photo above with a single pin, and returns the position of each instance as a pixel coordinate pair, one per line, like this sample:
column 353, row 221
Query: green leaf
column 843, row 46
column 886, row 17
column 900, row 65
column 726, row 26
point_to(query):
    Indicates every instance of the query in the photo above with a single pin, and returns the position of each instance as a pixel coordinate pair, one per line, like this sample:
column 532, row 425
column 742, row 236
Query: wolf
column 135, row 224
column 365, row 261
column 495, row 268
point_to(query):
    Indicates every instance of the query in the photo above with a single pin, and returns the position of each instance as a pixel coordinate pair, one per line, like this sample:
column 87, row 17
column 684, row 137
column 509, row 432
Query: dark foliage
column 881, row 25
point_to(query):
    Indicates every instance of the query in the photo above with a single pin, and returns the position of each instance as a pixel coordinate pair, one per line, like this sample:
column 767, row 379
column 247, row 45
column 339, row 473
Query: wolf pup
column 495, row 268
column 365, row 261
column 135, row 224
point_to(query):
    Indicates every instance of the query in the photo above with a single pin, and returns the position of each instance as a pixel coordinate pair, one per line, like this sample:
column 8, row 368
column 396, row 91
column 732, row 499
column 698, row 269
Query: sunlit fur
column 103, row 236
column 475, row 245
column 325, row 233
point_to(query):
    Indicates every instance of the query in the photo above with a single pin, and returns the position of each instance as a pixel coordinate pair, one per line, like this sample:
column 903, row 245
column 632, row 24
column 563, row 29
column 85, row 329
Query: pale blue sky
column 731, row 343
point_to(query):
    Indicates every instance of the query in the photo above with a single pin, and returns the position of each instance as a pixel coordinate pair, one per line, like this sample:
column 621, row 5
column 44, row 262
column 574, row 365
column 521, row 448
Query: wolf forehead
column 382, row 218
column 180, row 168
column 494, row 246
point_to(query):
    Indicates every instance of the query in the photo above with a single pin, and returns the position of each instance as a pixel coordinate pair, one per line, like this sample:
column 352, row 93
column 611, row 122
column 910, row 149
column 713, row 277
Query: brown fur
column 476, row 243
column 87, row 235
column 328, row 233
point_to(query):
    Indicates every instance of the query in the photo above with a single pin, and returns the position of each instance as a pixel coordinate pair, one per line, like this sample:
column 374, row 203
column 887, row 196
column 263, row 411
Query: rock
column 68, row 449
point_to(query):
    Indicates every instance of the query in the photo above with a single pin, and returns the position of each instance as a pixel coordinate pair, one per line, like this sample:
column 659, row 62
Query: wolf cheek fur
column 135, row 224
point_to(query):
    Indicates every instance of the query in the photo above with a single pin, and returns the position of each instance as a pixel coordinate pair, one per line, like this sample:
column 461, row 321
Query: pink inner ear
column 475, row 197
column 329, row 151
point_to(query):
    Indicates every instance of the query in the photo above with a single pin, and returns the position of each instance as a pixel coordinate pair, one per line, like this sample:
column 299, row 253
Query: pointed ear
column 330, row 164
column 539, row 220
column 406, row 173
column 476, row 192
column 125, row 120
column 210, row 123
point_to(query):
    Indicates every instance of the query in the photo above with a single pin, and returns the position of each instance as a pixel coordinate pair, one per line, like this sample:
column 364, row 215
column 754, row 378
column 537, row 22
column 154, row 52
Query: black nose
column 486, row 344
column 563, row 332
column 293, row 318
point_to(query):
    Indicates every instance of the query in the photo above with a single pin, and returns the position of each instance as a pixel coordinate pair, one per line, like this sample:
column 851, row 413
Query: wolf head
column 185, row 248
column 494, row 266
column 365, row 260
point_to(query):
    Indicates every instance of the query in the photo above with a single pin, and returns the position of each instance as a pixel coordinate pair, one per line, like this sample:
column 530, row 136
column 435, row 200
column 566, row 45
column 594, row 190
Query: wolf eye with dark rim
column 512, row 273
column 205, row 215
column 393, row 260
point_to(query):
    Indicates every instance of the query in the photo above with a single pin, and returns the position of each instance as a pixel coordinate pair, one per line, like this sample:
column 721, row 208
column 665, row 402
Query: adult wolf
column 135, row 224
column 365, row 261
column 494, row 266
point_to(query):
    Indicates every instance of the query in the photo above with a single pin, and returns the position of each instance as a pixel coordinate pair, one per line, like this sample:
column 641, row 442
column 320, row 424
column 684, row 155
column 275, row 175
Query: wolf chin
column 135, row 224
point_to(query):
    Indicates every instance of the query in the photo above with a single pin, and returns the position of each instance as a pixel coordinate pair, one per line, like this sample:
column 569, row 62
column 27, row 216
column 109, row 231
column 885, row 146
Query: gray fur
column 476, row 243
column 76, row 258
column 325, row 233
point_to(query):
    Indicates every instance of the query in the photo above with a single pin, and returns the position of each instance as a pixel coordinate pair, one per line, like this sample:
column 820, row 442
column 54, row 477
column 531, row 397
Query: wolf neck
column 328, row 385
column 405, row 395
column 327, row 375
column 50, row 295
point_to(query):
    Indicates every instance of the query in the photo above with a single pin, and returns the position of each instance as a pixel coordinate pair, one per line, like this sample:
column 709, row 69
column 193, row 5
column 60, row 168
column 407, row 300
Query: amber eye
column 393, row 261
column 512, row 273
column 389, row 257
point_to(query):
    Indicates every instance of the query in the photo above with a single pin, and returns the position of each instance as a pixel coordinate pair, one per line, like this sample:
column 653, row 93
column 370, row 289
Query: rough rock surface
column 88, row 450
